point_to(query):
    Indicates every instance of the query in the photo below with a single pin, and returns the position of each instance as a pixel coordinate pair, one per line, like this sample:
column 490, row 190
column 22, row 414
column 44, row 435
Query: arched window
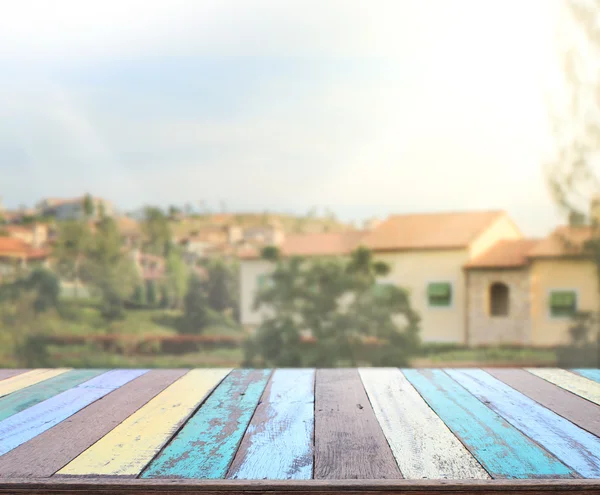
column 499, row 299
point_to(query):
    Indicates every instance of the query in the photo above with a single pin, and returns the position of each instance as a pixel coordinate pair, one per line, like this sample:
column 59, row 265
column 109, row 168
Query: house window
column 563, row 303
column 499, row 299
column 439, row 294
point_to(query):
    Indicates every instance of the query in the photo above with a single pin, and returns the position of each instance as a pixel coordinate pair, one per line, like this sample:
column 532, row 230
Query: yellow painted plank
column 127, row 449
column 10, row 385
column 588, row 389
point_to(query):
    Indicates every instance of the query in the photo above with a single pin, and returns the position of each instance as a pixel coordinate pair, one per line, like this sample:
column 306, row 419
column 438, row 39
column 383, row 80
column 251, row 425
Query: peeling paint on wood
column 29, row 423
column 574, row 446
column 22, row 399
column 349, row 443
column 206, row 445
column 588, row 389
column 502, row 449
column 127, row 449
column 578, row 410
column 12, row 384
column 423, row 445
column 591, row 374
column 278, row 444
column 45, row 454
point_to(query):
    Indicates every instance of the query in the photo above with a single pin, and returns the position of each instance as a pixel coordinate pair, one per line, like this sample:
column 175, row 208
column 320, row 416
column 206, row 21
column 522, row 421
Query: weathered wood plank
column 570, row 406
column 29, row 423
column 205, row 446
column 14, row 383
column 423, row 445
column 279, row 441
column 588, row 389
column 127, row 449
column 4, row 374
column 574, row 446
column 502, row 449
column 45, row 454
column 107, row 486
column 349, row 443
column 588, row 373
column 34, row 394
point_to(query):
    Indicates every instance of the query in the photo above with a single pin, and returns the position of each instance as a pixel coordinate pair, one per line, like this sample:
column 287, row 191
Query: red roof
column 12, row 247
column 505, row 254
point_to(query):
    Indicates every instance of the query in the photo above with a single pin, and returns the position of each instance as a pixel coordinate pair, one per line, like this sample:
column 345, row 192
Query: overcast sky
column 365, row 107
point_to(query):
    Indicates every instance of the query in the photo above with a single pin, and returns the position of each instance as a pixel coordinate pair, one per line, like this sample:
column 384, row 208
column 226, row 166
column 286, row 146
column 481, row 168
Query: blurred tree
column 73, row 241
column 174, row 211
column 109, row 270
column 88, row 206
column 177, row 278
column 196, row 314
column 222, row 285
column 139, row 295
column 337, row 302
column 572, row 175
column 157, row 231
column 151, row 295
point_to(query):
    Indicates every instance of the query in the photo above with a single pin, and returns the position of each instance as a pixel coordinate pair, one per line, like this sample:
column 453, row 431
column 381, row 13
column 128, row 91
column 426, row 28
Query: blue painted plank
column 278, row 444
column 572, row 445
column 29, row 423
column 501, row 449
column 589, row 373
column 206, row 445
column 22, row 399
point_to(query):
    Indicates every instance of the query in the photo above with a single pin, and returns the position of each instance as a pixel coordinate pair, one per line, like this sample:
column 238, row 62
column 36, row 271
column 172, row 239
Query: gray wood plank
column 10, row 373
column 45, row 454
column 583, row 413
column 349, row 443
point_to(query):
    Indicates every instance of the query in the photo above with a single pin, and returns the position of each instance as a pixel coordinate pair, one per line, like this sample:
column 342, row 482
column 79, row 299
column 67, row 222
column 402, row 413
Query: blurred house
column 210, row 240
column 149, row 266
column 426, row 254
column 35, row 235
column 271, row 234
column 73, row 209
column 17, row 255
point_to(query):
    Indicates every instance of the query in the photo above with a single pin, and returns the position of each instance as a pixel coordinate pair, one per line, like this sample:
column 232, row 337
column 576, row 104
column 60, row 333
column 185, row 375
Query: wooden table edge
column 106, row 485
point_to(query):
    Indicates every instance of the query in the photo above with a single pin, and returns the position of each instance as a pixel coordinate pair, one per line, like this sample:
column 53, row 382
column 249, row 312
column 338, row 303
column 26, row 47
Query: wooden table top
column 299, row 430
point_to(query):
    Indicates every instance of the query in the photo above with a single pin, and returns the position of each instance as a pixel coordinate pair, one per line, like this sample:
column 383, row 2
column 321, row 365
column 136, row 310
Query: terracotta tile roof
column 128, row 226
column 320, row 244
column 505, row 254
column 13, row 247
column 564, row 241
column 430, row 230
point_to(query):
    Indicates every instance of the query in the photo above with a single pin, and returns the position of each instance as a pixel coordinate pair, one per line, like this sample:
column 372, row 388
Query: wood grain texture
column 106, row 486
column 588, row 373
column 30, row 396
column 349, row 443
column 502, row 449
column 14, row 383
column 45, row 454
column 572, row 445
column 205, row 446
column 29, row 423
column 570, row 406
column 4, row 374
column 422, row 444
column 279, row 441
column 127, row 449
column 588, row 389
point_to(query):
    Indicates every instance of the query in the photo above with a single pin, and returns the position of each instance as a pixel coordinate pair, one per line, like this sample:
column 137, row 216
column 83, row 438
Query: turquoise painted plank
column 29, row 423
column 206, row 445
column 572, row 445
column 589, row 373
column 278, row 444
column 22, row 399
column 500, row 448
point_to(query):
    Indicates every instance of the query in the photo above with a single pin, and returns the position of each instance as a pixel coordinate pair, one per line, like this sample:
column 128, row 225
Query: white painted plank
column 422, row 444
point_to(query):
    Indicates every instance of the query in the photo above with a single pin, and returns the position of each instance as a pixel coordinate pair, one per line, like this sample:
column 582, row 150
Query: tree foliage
column 338, row 303
column 573, row 177
column 157, row 231
column 88, row 206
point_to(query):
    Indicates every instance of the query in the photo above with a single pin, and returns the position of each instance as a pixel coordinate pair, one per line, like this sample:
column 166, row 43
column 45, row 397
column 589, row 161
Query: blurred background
column 190, row 183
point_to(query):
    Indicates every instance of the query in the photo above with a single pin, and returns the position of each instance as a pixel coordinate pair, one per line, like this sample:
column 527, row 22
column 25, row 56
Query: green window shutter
column 439, row 294
column 563, row 303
